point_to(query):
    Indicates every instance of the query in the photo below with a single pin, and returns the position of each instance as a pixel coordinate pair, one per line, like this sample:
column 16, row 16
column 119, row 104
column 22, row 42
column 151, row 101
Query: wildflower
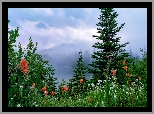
column 45, row 92
column 90, row 100
column 33, row 85
column 98, row 84
column 140, row 78
column 25, row 70
column 64, row 88
column 127, row 93
column 113, row 72
column 24, row 65
column 81, row 80
column 127, row 74
column 18, row 105
column 124, row 62
column 44, row 88
column 125, row 67
column 52, row 93
column 99, row 81
column 21, row 86
column 93, row 85
column 103, row 103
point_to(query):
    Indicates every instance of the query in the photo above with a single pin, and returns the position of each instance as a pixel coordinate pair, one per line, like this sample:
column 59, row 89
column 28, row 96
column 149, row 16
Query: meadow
column 28, row 85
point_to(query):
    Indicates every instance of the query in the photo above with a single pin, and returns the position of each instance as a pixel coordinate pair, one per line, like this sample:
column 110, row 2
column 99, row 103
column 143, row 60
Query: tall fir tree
column 109, row 45
column 76, row 83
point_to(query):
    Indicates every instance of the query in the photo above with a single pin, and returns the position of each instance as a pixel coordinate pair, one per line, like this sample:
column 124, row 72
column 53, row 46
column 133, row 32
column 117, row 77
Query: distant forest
column 64, row 63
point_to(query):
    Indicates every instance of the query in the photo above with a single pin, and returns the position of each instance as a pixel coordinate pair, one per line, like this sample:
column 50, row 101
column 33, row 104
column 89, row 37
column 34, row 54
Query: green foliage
column 109, row 47
column 79, row 73
column 59, row 91
column 20, row 83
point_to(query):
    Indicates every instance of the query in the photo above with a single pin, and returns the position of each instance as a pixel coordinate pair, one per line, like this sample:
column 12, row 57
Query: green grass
column 124, row 96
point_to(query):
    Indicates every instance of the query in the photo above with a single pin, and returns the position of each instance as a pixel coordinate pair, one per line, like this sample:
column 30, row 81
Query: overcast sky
column 53, row 26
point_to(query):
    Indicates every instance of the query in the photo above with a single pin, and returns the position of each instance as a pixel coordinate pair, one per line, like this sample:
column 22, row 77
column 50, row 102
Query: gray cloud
column 75, row 25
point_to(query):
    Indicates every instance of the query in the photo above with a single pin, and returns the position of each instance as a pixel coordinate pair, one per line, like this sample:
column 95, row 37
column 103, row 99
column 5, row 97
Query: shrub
column 25, row 71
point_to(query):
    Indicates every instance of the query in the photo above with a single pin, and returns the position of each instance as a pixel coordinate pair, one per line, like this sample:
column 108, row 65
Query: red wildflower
column 64, row 88
column 44, row 88
column 25, row 70
column 125, row 67
column 113, row 72
column 90, row 100
column 24, row 65
column 52, row 93
column 81, row 80
column 46, row 92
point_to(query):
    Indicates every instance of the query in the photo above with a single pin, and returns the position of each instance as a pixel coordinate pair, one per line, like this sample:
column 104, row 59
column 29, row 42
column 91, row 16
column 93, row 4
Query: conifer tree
column 75, row 83
column 109, row 45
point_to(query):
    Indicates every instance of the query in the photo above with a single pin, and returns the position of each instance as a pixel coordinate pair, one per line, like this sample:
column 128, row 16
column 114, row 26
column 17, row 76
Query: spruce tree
column 79, row 73
column 108, row 46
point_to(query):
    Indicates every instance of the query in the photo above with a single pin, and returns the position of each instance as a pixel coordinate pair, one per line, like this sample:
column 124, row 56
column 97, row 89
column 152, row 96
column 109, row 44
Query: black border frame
column 6, row 5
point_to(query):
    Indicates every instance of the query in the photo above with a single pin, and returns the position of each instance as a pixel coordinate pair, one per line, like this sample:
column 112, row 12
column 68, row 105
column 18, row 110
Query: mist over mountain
column 64, row 58
column 64, row 48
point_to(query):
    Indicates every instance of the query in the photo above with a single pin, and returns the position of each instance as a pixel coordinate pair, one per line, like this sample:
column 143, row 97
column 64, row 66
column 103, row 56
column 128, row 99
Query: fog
column 65, row 56
column 64, row 63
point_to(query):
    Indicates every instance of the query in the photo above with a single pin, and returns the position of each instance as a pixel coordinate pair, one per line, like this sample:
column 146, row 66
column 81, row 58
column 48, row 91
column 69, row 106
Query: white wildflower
column 21, row 86
column 92, row 85
column 18, row 105
column 98, row 84
column 104, row 80
column 99, row 81
column 70, row 97
column 103, row 104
